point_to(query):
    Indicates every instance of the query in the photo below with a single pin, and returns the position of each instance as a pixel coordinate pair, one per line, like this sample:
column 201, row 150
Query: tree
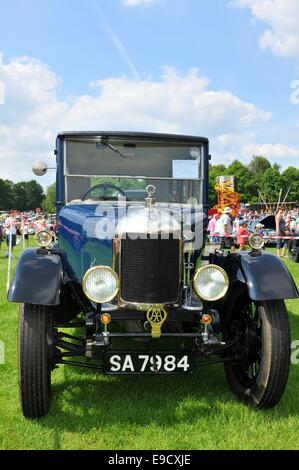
column 258, row 166
column 245, row 183
column 27, row 195
column 34, row 195
column 271, row 184
column 277, row 167
column 50, row 200
column 6, row 195
column 259, row 174
column 19, row 197
column 290, row 180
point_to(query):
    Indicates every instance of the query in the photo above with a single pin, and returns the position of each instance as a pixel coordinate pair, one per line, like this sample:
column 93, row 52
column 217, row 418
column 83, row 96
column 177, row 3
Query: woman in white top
column 226, row 228
column 11, row 234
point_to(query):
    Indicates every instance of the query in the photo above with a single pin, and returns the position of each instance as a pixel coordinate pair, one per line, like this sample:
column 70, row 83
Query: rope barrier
column 246, row 237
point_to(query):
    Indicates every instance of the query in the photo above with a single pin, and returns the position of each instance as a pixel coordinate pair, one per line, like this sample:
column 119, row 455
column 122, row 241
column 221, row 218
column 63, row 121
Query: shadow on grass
column 84, row 401
column 87, row 400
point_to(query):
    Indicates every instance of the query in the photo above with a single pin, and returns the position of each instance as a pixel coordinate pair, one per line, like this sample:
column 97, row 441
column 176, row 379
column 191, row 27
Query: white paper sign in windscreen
column 185, row 169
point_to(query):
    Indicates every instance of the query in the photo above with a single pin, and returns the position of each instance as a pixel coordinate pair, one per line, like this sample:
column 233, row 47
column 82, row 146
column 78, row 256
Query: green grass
column 90, row 411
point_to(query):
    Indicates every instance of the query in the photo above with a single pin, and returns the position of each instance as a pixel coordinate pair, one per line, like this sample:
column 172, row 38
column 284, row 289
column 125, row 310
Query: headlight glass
column 101, row 284
column 256, row 242
column 211, row 283
column 44, row 238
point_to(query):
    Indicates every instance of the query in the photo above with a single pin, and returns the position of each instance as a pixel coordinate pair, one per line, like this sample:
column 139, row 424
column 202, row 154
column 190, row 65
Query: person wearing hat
column 259, row 229
column 293, row 225
column 242, row 235
column 226, row 228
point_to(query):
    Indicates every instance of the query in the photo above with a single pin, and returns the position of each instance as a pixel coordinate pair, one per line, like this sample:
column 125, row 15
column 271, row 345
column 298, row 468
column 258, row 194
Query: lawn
column 90, row 411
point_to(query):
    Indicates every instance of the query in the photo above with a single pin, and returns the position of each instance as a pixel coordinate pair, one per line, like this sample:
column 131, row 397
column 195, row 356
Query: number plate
column 164, row 363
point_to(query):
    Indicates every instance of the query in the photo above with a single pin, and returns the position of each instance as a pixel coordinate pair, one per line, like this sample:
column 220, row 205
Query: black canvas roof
column 139, row 135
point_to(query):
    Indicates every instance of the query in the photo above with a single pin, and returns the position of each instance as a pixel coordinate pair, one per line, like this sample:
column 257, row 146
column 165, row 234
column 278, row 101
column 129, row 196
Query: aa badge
column 156, row 317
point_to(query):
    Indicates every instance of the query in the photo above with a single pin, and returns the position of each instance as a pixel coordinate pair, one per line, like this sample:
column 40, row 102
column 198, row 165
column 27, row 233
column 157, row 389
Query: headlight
column 256, row 242
column 101, row 284
column 211, row 283
column 44, row 238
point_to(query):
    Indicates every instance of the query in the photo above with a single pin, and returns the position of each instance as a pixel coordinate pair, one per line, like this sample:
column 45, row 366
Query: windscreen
column 117, row 166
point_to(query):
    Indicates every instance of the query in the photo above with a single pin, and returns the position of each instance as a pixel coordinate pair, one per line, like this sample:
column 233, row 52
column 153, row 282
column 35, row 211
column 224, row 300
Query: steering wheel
column 103, row 186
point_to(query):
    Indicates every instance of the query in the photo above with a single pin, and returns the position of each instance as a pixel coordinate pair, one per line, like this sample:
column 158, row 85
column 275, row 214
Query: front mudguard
column 37, row 279
column 265, row 275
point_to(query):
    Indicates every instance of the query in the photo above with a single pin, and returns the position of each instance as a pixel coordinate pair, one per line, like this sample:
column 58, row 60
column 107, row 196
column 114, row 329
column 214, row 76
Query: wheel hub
column 246, row 330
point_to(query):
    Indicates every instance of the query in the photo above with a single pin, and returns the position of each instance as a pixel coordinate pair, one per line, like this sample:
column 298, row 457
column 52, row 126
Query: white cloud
column 2, row 93
column 274, row 152
column 283, row 18
column 177, row 103
column 134, row 3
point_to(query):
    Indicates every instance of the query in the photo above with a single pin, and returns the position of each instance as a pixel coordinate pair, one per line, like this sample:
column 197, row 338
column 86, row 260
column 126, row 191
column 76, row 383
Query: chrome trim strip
column 157, row 178
column 65, row 170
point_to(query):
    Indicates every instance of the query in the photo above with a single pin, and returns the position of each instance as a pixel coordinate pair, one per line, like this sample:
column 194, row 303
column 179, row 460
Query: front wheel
column 35, row 360
column 258, row 374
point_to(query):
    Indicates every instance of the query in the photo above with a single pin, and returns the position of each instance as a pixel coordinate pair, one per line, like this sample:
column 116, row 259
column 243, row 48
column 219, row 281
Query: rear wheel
column 35, row 359
column 259, row 373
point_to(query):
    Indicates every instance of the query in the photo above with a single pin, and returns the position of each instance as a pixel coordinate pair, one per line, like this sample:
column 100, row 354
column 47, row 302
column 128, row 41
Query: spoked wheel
column 293, row 252
column 259, row 373
column 35, row 360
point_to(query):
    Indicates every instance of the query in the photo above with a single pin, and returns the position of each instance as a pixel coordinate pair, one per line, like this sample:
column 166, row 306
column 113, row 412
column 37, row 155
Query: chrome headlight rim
column 47, row 232
column 226, row 283
column 254, row 236
column 101, row 268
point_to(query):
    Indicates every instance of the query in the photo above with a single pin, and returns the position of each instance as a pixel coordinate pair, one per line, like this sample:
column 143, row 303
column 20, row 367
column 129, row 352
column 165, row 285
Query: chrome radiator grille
column 150, row 271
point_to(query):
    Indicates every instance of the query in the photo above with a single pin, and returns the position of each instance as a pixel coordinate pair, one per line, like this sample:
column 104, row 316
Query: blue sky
column 130, row 64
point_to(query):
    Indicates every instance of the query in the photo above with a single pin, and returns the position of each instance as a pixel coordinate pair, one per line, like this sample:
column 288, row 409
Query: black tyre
column 35, row 360
column 293, row 252
column 259, row 373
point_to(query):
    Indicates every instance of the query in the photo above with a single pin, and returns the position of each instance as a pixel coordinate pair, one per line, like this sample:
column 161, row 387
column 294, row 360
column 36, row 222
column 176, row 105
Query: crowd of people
column 234, row 230
column 16, row 227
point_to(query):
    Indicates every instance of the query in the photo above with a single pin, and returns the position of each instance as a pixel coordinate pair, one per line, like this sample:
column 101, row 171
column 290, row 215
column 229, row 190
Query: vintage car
column 268, row 231
column 129, row 288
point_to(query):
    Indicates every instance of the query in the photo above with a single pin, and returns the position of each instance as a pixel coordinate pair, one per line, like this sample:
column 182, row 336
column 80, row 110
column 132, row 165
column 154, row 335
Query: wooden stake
column 279, row 200
column 287, row 195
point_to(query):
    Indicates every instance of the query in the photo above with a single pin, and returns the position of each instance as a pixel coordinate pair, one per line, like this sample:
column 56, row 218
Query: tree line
column 258, row 175
column 23, row 196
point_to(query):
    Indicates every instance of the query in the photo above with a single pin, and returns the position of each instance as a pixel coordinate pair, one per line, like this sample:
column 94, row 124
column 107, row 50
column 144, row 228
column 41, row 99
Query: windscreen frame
column 154, row 143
